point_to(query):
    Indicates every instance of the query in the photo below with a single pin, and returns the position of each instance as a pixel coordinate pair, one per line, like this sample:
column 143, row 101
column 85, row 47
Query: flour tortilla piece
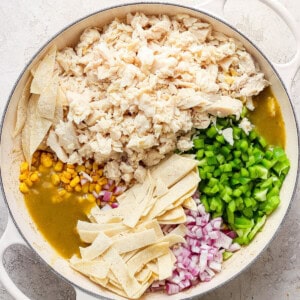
column 179, row 230
column 172, row 239
column 128, row 283
column 103, row 282
column 144, row 275
column 99, row 245
column 22, row 107
column 177, row 191
column 97, row 269
column 133, row 241
column 165, row 266
column 138, row 261
column 179, row 220
column 173, row 169
column 144, row 287
column 82, row 225
column 88, row 236
column 43, row 72
column 173, row 214
column 47, row 101
column 151, row 224
column 153, row 267
column 59, row 108
column 108, row 216
column 53, row 143
column 190, row 204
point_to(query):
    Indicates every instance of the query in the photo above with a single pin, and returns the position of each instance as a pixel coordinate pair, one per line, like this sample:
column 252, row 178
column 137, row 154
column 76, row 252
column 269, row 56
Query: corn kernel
column 95, row 166
column 80, row 199
column 22, row 177
column 28, row 182
column 95, row 178
column 42, row 169
column 74, row 181
column 34, row 177
column 67, row 195
column 24, row 166
column 23, row 188
column 91, row 198
column 64, row 179
column 56, row 199
column 233, row 72
column 100, row 172
column 70, row 166
column 62, row 192
column 55, row 179
column 68, row 188
column 85, row 188
column 112, row 199
column 46, row 160
column 71, row 171
column 102, row 181
column 58, row 166
column 80, row 169
column 67, row 174
column 92, row 187
column 98, row 188
column 77, row 188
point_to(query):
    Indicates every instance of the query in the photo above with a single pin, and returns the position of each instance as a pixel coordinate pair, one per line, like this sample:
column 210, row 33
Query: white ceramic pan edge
column 215, row 8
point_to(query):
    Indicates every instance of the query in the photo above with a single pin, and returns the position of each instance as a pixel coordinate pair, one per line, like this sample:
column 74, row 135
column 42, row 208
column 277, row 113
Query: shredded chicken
column 135, row 89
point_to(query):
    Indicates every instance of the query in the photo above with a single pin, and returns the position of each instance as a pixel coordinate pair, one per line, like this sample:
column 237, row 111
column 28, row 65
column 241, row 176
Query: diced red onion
column 107, row 196
column 114, row 205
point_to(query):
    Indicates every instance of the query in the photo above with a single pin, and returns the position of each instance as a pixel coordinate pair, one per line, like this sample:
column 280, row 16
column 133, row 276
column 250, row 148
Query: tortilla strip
column 153, row 267
column 53, row 143
column 136, row 263
column 101, row 217
column 59, row 111
column 173, row 214
column 133, row 241
column 47, row 101
column 165, row 266
column 82, row 225
column 152, row 224
column 97, row 269
column 22, row 108
column 44, row 71
column 144, row 287
column 172, row 239
column 179, row 230
column 103, row 282
column 126, row 256
column 88, row 236
column 173, row 169
column 121, row 271
column 179, row 220
column 144, row 275
column 99, row 245
column 189, row 203
column 177, row 191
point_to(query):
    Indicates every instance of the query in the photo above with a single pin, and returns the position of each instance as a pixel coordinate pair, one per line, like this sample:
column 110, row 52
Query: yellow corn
column 85, row 188
column 22, row 177
column 62, row 192
column 74, row 181
column 233, row 72
column 68, row 188
column 64, row 179
column 46, row 160
column 95, row 166
column 28, row 182
column 23, row 188
column 100, row 172
column 56, row 199
column 24, row 166
column 34, row 177
column 42, row 169
column 70, row 166
column 67, row 174
column 80, row 199
column 98, row 202
column 71, row 171
column 229, row 79
column 77, row 188
column 67, row 195
column 55, row 179
column 80, row 169
column 92, row 187
column 112, row 199
column 102, row 181
column 98, row 188
column 58, row 166
column 91, row 198
column 95, row 178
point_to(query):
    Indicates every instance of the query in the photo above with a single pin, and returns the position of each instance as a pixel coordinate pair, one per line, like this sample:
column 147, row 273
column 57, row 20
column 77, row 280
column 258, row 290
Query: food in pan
column 148, row 143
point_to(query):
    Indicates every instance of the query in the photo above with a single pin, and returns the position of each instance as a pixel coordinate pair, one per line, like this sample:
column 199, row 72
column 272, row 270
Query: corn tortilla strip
column 137, row 262
column 139, row 201
column 126, row 256
column 175, row 213
column 165, row 266
column 160, row 188
column 152, row 224
column 153, row 267
column 101, row 217
column 179, row 230
column 97, row 269
column 22, row 107
column 144, row 275
column 181, row 200
column 82, row 225
column 44, row 71
column 128, row 283
column 172, row 239
column 47, row 101
column 189, row 203
column 115, row 289
column 103, row 282
column 179, row 220
column 133, row 241
column 88, row 236
column 173, row 169
column 177, row 191
column 144, row 287
column 99, row 245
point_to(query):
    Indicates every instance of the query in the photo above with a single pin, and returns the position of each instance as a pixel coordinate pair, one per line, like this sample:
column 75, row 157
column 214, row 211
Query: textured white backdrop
column 25, row 25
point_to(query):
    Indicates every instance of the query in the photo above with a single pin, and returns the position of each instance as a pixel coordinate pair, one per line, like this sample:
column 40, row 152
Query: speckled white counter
column 25, row 25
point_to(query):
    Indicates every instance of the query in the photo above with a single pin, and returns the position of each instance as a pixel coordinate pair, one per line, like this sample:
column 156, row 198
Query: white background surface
column 25, row 25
